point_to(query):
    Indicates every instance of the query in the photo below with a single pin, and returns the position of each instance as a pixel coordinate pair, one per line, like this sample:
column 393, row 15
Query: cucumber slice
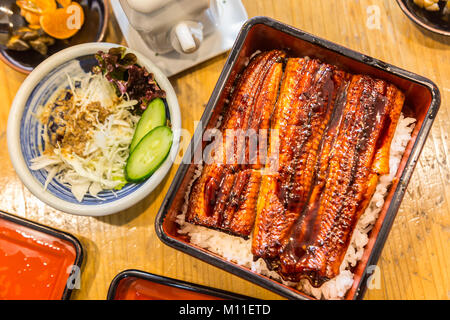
column 148, row 155
column 154, row 116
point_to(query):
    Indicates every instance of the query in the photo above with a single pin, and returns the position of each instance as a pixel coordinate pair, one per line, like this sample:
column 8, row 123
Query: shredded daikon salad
column 104, row 125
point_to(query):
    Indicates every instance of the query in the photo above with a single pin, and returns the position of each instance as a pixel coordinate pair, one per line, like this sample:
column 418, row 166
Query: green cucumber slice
column 154, row 116
column 148, row 155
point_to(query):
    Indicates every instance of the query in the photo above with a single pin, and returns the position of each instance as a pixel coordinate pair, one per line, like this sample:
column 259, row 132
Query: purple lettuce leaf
column 121, row 69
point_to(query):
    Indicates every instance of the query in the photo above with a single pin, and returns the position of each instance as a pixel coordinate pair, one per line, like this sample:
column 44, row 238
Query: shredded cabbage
column 101, row 167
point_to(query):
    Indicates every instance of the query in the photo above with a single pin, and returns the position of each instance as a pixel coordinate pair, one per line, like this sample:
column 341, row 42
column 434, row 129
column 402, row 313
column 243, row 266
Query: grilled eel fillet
column 354, row 152
column 333, row 134
column 303, row 109
column 224, row 196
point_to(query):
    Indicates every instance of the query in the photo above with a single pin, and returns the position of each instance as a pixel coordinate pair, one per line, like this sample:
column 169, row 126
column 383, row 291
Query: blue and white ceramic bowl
column 24, row 132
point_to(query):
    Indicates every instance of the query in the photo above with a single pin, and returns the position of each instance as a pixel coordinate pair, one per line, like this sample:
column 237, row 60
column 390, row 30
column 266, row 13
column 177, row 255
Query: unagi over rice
column 298, row 211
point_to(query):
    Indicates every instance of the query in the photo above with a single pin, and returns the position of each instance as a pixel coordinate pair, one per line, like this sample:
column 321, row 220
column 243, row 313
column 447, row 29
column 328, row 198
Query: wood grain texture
column 415, row 262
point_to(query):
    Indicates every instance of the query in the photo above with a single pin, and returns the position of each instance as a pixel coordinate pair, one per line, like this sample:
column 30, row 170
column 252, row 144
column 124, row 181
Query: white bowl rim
column 14, row 127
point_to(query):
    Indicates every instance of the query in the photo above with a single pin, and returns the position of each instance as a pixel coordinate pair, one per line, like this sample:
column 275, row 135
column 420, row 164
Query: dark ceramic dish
column 431, row 20
column 93, row 30
column 262, row 33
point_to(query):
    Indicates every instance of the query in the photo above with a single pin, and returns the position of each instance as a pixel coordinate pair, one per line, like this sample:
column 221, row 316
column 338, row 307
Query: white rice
column 238, row 250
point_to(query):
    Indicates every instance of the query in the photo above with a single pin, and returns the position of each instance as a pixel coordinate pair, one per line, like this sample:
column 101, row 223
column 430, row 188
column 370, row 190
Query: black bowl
column 431, row 20
column 93, row 30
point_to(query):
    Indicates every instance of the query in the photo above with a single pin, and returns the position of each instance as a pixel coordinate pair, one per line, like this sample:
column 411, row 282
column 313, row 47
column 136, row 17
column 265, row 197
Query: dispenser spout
column 186, row 36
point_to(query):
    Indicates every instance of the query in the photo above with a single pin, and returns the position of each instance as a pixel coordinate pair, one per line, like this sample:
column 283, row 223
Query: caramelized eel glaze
column 301, row 189
column 224, row 196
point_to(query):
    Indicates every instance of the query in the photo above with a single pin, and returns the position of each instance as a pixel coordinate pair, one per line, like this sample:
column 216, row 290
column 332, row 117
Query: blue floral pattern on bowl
column 25, row 142
column 31, row 135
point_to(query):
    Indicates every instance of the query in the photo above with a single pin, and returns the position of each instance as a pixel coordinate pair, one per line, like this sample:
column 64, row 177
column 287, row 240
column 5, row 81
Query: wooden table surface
column 415, row 262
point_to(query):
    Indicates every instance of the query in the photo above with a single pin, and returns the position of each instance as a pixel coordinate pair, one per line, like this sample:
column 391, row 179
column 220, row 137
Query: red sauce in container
column 34, row 265
column 132, row 288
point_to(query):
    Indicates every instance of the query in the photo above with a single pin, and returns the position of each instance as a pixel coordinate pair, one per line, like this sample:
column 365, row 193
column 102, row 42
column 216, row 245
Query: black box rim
column 171, row 283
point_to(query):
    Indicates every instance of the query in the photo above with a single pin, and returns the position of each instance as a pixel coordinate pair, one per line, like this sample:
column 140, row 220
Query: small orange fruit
column 31, row 17
column 63, row 23
column 37, row 6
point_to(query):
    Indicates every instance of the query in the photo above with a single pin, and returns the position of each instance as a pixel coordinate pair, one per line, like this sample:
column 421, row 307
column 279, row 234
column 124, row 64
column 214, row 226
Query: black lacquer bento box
column 37, row 262
column 263, row 33
column 140, row 285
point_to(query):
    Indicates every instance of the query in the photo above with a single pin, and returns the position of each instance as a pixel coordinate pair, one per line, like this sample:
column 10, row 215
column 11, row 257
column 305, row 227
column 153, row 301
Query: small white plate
column 233, row 16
